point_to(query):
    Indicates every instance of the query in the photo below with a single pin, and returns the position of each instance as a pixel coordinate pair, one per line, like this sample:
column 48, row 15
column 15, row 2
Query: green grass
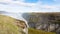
column 7, row 25
column 34, row 31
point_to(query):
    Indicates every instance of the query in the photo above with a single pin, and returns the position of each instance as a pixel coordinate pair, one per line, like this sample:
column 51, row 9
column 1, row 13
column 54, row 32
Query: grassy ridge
column 7, row 25
column 34, row 31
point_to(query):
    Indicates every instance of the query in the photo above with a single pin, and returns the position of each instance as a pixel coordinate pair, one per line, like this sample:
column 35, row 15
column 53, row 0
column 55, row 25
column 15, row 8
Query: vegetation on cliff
column 35, row 31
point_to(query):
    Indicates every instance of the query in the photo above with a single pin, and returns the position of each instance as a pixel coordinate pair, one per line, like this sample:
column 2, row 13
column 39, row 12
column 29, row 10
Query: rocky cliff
column 49, row 22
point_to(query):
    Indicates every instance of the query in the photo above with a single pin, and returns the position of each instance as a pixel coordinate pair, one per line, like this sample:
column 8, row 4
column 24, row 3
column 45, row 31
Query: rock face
column 44, row 21
column 22, row 24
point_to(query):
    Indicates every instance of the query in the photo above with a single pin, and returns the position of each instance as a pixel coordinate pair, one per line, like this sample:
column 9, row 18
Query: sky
column 22, row 6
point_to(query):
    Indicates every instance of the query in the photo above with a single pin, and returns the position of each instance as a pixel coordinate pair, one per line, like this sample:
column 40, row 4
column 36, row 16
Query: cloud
column 21, row 6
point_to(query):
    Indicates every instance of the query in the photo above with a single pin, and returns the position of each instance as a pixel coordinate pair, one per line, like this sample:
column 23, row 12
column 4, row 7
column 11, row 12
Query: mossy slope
column 7, row 25
column 35, row 31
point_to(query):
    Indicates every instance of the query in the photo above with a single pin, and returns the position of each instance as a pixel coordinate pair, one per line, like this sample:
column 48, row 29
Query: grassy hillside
column 7, row 25
column 34, row 31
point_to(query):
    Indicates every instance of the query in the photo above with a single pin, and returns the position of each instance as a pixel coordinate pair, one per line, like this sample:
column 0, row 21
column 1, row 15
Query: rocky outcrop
column 43, row 21
column 22, row 24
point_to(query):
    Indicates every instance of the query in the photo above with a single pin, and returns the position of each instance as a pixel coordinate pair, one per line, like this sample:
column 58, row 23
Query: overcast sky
column 22, row 6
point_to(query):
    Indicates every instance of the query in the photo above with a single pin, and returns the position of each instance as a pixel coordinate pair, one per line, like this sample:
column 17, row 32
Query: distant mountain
column 3, row 12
